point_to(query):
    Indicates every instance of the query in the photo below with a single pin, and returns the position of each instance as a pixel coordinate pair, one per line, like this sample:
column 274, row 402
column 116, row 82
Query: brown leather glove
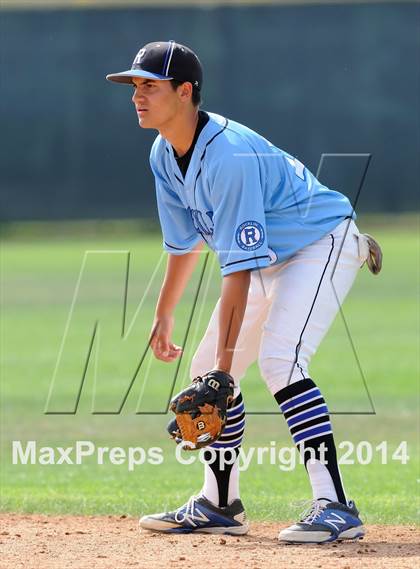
column 374, row 259
column 200, row 410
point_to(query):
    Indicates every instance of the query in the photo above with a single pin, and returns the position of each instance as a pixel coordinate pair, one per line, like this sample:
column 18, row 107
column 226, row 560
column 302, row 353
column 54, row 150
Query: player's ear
column 185, row 91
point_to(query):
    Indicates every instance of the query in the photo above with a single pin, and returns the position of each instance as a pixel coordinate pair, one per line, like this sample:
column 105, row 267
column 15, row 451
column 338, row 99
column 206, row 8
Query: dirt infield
column 47, row 542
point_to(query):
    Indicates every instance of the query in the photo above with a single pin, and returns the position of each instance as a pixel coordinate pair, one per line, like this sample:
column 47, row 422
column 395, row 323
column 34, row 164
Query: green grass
column 39, row 277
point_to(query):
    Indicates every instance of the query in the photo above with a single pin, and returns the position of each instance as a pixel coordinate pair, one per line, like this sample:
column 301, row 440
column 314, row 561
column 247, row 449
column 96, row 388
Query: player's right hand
column 160, row 339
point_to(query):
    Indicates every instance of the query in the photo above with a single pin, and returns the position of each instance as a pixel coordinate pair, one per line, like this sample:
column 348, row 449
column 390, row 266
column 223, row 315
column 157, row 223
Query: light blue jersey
column 252, row 203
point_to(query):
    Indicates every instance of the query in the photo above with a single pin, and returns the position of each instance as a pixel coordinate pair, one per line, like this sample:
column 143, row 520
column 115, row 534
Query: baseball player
column 289, row 251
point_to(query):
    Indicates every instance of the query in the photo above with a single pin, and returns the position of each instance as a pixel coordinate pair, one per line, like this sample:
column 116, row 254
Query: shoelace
column 186, row 513
column 312, row 512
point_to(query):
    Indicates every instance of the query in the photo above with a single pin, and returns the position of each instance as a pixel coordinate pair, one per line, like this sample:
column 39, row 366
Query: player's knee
column 279, row 372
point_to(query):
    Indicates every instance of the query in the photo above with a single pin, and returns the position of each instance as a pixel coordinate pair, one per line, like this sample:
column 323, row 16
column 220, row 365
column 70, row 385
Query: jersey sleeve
column 240, row 235
column 179, row 234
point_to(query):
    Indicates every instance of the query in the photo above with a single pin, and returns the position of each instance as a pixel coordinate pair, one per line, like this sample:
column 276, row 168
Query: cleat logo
column 196, row 518
column 199, row 516
column 333, row 521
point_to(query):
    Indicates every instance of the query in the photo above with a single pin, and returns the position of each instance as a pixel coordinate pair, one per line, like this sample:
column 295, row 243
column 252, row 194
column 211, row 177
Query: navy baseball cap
column 163, row 60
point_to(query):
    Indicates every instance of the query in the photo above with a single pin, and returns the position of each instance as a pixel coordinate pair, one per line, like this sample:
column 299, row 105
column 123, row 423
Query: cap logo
column 138, row 57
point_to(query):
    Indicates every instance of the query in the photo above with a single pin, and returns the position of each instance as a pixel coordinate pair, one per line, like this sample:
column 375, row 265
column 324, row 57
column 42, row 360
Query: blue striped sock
column 307, row 417
column 234, row 430
column 226, row 478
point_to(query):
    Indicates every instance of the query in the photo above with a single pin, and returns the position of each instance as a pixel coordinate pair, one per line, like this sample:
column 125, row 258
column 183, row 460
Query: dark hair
column 196, row 95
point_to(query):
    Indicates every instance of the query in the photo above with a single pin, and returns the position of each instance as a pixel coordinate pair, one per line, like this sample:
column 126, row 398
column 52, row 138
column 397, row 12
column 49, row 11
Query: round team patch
column 250, row 235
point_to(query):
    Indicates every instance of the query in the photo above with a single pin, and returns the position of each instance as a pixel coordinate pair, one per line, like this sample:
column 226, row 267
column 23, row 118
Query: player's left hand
column 201, row 410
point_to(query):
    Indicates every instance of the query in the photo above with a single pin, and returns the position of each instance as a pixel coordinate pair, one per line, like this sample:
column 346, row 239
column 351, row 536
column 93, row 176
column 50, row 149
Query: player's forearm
column 179, row 269
column 231, row 314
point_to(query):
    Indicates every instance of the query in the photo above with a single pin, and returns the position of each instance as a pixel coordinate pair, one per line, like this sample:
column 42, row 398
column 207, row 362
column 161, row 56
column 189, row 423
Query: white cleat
column 201, row 516
column 325, row 522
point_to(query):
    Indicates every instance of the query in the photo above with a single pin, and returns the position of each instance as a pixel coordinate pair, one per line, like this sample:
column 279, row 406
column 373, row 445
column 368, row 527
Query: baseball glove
column 200, row 410
column 374, row 260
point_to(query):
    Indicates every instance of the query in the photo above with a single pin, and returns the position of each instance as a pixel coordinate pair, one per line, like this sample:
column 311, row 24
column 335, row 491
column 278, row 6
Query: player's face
column 156, row 102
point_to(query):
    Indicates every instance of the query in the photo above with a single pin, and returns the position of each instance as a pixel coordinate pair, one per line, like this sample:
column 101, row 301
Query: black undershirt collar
column 184, row 161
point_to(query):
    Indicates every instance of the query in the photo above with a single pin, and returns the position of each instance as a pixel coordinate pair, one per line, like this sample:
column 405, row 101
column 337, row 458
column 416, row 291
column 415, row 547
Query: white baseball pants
column 290, row 309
